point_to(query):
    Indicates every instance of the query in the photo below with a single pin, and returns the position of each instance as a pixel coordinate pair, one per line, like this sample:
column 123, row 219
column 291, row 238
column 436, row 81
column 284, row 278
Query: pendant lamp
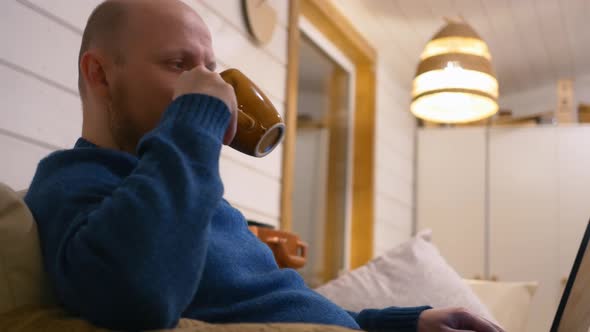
column 455, row 81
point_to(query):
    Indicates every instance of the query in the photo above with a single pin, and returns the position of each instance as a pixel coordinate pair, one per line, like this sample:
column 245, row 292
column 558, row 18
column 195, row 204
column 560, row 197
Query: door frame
column 340, row 105
column 341, row 33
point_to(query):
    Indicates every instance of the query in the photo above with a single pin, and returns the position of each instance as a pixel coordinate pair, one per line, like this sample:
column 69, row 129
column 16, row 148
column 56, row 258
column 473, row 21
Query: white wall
column 543, row 98
column 535, row 100
column 309, row 198
column 310, row 180
column 394, row 153
column 582, row 89
column 312, row 103
column 40, row 110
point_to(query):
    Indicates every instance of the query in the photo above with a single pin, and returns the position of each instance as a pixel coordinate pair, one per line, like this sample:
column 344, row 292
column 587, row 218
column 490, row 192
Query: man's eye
column 177, row 65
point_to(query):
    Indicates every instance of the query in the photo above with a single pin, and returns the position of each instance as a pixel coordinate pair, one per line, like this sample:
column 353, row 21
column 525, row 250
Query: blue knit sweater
column 136, row 242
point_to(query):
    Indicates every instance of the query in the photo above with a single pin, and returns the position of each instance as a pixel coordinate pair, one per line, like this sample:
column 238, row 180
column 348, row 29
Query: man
column 134, row 230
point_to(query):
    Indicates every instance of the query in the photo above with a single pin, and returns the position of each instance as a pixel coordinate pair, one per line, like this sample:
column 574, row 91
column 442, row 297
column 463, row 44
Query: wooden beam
column 290, row 116
column 335, row 208
column 334, row 26
column 584, row 113
column 338, row 29
column 364, row 167
column 311, row 124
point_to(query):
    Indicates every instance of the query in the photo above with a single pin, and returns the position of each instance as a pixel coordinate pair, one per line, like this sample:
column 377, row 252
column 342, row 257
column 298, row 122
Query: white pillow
column 509, row 302
column 22, row 279
column 412, row 274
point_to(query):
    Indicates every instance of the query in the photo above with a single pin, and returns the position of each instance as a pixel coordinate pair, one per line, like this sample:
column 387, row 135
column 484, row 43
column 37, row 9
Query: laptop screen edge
column 571, row 280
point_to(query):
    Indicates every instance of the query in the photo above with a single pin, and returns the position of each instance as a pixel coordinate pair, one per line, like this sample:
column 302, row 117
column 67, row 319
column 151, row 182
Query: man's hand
column 203, row 81
column 454, row 319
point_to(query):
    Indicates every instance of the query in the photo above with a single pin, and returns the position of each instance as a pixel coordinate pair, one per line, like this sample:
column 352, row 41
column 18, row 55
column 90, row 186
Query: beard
column 124, row 129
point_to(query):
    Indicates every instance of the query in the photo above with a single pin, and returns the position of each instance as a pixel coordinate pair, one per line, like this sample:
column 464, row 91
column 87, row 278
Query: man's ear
column 92, row 68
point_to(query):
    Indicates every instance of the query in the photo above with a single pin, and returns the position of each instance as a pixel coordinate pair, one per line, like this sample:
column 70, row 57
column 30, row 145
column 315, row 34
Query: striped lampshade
column 455, row 82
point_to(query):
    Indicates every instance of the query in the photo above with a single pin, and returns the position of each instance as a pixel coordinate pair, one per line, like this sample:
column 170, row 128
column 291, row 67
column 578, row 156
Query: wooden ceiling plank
column 513, row 71
column 533, row 72
column 585, row 42
column 575, row 16
column 537, row 11
column 420, row 15
column 443, row 8
column 525, row 21
column 569, row 34
column 554, row 36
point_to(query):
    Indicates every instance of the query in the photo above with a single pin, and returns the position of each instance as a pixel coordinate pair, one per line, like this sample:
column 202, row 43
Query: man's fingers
column 449, row 329
column 478, row 324
column 498, row 327
column 231, row 130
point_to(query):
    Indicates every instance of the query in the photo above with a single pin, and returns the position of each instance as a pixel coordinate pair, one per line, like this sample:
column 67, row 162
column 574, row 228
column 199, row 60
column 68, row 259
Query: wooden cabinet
column 534, row 184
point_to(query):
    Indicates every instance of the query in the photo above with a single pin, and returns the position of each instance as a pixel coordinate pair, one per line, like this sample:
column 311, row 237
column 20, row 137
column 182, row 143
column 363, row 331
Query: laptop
column 573, row 313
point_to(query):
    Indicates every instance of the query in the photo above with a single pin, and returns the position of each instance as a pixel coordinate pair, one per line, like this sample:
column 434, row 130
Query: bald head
column 132, row 53
column 107, row 25
column 103, row 30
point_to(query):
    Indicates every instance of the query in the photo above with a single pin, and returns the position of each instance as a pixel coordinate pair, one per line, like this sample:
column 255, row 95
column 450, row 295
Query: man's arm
column 422, row 319
column 129, row 255
column 389, row 319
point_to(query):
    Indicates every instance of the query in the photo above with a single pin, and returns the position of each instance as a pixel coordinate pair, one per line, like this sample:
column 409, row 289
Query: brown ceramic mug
column 260, row 126
column 288, row 249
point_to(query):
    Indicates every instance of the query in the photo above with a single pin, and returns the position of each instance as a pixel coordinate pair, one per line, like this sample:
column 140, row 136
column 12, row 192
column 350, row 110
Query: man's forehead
column 161, row 14
column 179, row 23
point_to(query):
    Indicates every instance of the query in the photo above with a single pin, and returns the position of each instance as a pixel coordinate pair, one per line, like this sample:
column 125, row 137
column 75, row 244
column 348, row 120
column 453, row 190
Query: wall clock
column 261, row 19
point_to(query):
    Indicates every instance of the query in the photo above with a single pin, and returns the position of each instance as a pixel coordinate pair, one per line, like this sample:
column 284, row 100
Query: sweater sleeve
column 392, row 319
column 128, row 253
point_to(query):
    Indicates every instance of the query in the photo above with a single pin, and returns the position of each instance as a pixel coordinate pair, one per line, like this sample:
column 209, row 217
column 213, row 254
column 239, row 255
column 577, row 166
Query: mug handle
column 245, row 122
column 282, row 252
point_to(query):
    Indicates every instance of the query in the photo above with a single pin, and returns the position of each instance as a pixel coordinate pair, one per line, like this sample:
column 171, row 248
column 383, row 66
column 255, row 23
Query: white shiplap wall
column 394, row 174
column 40, row 109
column 39, row 104
column 543, row 98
